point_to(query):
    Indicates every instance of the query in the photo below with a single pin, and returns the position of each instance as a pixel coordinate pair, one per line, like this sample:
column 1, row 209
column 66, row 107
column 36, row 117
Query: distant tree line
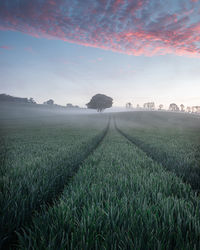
column 68, row 105
column 176, row 108
column 49, row 102
column 101, row 102
column 13, row 99
column 172, row 107
column 9, row 98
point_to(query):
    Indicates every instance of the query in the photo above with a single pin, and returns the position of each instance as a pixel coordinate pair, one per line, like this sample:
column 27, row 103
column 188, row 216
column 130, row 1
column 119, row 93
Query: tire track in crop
column 75, row 167
column 134, row 142
column 11, row 240
column 185, row 176
column 90, row 152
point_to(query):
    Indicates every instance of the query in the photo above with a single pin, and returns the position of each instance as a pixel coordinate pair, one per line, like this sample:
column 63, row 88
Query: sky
column 132, row 50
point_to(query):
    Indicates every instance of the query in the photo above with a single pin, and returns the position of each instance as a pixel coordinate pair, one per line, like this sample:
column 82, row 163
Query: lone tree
column 100, row 102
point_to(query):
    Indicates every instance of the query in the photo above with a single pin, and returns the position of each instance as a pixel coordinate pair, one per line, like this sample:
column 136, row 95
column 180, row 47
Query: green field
column 99, row 181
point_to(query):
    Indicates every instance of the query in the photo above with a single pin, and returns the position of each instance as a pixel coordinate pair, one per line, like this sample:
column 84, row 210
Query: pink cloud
column 5, row 47
column 134, row 27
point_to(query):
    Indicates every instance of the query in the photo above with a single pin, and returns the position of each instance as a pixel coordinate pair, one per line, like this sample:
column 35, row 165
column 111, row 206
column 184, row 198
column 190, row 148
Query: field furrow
column 28, row 183
column 177, row 148
column 119, row 199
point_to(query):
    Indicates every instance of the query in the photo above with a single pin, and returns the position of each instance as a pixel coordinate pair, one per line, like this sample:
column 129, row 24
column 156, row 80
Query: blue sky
column 71, row 67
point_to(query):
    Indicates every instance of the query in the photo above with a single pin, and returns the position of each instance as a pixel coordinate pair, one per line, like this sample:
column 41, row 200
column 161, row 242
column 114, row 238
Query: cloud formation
column 135, row 27
column 5, row 47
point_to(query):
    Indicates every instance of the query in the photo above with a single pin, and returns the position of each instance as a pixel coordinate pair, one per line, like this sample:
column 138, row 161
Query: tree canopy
column 100, row 102
column 149, row 105
column 49, row 102
column 173, row 107
column 14, row 99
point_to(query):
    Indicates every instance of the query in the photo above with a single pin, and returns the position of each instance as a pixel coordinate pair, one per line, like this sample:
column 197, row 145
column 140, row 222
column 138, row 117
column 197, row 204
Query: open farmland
column 40, row 152
column 172, row 139
column 87, row 181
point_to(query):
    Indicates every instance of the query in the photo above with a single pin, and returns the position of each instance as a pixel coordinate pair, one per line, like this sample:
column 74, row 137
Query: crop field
column 40, row 152
column 99, row 181
column 171, row 139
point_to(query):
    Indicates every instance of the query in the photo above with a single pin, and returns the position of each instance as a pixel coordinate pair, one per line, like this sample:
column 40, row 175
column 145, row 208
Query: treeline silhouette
column 172, row 107
column 9, row 98
column 4, row 98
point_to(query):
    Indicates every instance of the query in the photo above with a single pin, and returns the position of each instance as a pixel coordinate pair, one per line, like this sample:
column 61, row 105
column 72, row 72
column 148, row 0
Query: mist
column 99, row 124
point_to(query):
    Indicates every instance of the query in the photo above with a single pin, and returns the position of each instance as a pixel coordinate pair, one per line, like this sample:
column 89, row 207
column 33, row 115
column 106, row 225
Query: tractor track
column 183, row 176
column 11, row 240
column 134, row 142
